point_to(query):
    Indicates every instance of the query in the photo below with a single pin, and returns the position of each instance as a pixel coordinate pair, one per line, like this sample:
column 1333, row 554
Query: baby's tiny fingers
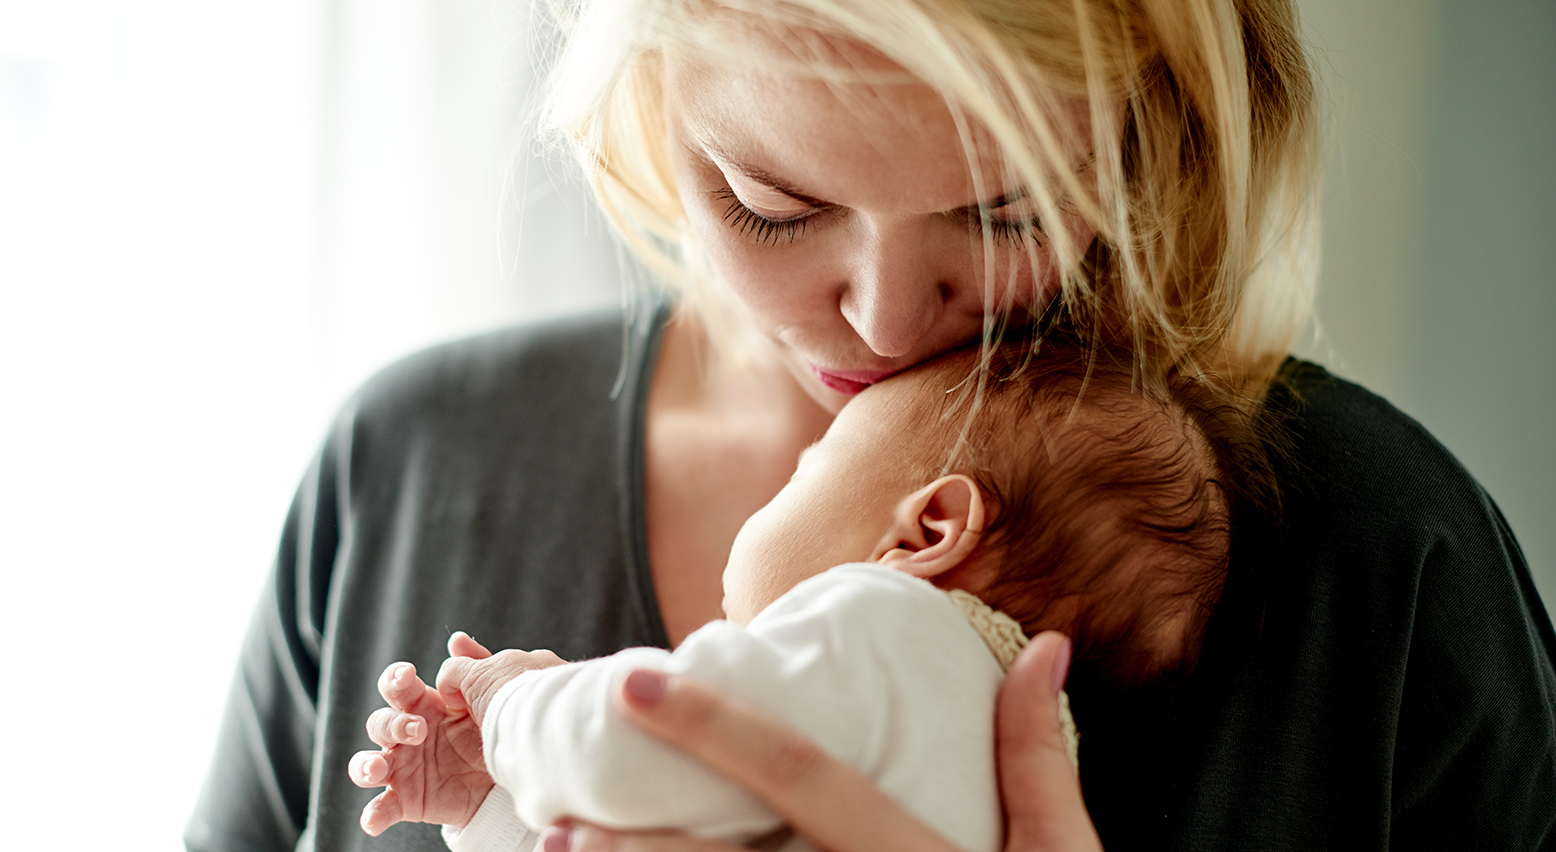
column 462, row 645
column 381, row 813
column 388, row 727
column 400, row 686
column 369, row 769
column 451, row 681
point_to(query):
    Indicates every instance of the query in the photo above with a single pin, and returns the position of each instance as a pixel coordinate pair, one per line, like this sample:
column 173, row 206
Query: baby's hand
column 470, row 682
column 431, row 757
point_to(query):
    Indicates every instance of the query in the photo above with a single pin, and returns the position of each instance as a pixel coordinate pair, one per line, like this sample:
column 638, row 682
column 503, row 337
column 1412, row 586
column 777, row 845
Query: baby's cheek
column 737, row 591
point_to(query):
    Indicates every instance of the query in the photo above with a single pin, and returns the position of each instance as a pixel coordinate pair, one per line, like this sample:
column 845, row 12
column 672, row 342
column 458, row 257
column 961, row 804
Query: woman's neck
column 721, row 439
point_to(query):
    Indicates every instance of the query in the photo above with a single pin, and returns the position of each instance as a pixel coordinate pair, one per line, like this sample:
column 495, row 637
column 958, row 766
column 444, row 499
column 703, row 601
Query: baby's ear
column 934, row 529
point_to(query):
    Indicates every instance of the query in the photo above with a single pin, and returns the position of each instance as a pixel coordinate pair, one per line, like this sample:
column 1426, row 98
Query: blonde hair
column 1197, row 168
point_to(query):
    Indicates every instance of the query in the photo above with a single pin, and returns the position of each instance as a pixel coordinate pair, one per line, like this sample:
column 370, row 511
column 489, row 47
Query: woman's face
column 847, row 220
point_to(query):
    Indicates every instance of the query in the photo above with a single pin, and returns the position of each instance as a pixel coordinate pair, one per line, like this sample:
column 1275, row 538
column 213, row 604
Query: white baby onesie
column 882, row 670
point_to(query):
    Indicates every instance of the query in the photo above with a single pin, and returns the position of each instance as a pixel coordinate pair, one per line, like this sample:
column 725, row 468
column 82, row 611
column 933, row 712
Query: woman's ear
column 934, row 529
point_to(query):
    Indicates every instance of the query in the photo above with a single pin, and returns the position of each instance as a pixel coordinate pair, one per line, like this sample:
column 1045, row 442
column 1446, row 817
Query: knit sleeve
column 256, row 794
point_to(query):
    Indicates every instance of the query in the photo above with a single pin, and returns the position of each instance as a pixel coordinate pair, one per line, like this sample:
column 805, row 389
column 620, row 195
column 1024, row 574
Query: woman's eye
column 750, row 223
column 1011, row 230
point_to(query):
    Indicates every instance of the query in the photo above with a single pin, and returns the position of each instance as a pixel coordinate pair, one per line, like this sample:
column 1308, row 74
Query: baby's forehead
column 1056, row 398
column 907, row 397
column 905, row 411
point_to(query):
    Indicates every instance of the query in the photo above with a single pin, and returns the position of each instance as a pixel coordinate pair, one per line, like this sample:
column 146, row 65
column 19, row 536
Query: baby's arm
column 556, row 740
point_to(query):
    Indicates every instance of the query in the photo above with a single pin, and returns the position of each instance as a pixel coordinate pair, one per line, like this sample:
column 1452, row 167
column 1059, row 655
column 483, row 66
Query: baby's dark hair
column 1110, row 498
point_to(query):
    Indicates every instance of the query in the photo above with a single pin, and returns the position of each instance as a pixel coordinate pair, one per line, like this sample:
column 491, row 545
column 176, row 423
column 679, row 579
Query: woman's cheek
column 1014, row 277
column 729, row 252
column 781, row 285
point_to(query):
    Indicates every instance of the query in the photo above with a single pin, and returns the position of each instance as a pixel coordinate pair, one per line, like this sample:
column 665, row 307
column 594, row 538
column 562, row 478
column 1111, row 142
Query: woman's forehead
column 856, row 144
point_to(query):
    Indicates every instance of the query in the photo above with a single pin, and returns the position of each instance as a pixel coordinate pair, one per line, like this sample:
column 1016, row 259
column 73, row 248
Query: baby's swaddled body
column 879, row 668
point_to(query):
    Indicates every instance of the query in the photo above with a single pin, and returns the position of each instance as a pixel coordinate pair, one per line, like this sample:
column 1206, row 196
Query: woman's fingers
column 382, row 812
column 569, row 837
column 827, row 802
column 388, row 727
column 1043, row 805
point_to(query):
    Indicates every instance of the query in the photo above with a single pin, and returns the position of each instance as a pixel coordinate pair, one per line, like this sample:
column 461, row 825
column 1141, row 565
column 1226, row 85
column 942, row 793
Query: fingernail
column 645, row 687
column 413, row 728
column 558, row 838
column 1061, row 669
column 399, row 673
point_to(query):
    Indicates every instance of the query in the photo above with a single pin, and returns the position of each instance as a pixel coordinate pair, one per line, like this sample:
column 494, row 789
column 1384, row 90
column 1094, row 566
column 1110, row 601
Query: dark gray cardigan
column 1378, row 672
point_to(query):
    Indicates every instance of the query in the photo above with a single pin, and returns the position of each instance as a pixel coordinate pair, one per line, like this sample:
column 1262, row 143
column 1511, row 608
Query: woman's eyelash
column 750, row 223
column 1014, row 230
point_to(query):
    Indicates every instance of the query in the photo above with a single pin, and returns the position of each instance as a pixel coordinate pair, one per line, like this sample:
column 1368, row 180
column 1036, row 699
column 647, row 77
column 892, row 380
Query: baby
column 876, row 602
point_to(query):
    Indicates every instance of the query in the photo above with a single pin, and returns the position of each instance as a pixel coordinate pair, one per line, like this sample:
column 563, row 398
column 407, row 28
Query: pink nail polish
column 645, row 687
column 1061, row 669
column 558, row 838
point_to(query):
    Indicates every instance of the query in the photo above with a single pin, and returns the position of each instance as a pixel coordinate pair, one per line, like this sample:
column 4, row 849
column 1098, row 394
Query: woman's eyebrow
column 763, row 177
column 1007, row 198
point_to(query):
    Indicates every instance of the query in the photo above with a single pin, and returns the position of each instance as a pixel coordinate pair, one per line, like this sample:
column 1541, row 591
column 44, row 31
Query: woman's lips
column 848, row 381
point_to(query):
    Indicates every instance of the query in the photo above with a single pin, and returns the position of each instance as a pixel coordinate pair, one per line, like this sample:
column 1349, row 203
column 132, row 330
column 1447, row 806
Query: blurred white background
column 217, row 218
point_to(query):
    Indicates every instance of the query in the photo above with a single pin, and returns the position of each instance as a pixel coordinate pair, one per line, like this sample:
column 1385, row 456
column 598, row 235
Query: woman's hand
column 1041, row 793
column 834, row 807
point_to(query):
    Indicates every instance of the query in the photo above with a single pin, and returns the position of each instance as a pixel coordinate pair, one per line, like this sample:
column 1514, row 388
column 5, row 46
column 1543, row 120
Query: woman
column 838, row 191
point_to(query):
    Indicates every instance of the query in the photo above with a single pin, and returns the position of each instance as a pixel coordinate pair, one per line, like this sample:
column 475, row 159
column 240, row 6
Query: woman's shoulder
column 579, row 369
column 499, row 462
column 1374, row 509
column 1383, row 530
column 1329, row 416
column 1341, row 443
column 554, row 361
column 543, row 402
column 1379, row 661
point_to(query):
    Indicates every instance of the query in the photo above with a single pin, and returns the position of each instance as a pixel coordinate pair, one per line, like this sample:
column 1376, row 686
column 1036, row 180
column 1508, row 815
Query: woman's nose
column 895, row 292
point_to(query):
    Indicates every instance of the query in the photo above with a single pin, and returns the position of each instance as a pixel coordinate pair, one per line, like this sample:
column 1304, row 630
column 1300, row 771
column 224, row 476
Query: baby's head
column 1070, row 499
